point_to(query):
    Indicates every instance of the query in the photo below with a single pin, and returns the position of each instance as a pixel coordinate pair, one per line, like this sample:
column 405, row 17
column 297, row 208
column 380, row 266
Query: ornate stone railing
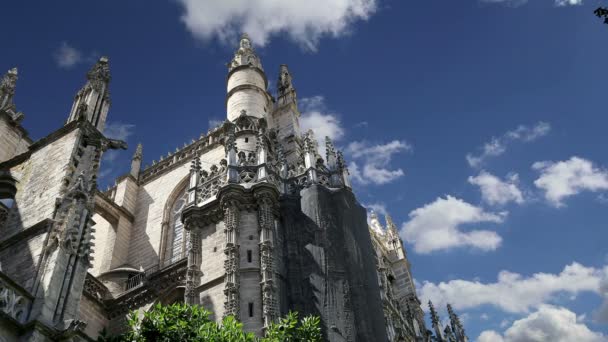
column 14, row 300
column 95, row 288
column 154, row 285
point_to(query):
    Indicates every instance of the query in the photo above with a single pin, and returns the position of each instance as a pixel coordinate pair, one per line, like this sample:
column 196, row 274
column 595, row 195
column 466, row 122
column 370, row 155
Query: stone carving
column 231, row 249
column 12, row 304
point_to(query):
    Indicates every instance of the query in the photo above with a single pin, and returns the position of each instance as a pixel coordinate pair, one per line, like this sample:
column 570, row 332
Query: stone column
column 266, row 224
column 193, row 273
column 231, row 264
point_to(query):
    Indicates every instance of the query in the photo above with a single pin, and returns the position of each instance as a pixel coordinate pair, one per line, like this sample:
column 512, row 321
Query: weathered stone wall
column 20, row 260
column 12, row 139
column 338, row 270
column 126, row 194
column 250, row 291
column 104, row 236
column 212, row 255
column 94, row 315
column 152, row 199
column 40, row 179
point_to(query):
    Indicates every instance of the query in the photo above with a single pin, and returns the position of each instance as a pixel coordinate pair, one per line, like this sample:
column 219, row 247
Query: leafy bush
column 181, row 322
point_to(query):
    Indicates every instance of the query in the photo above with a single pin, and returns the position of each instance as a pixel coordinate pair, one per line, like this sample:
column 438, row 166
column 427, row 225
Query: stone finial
column 285, row 83
column 245, row 55
column 390, row 225
column 8, row 83
column 434, row 316
column 100, row 72
column 138, row 152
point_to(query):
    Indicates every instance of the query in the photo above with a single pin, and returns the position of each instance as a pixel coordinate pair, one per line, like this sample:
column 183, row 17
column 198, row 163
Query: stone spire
column 92, row 101
column 136, row 161
column 435, row 322
column 286, row 93
column 457, row 327
column 8, row 83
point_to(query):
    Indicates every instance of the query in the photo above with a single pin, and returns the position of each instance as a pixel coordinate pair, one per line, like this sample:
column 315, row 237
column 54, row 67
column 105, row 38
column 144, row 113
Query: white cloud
column 561, row 3
column 118, row 130
column 324, row 123
column 549, row 323
column 496, row 191
column 513, row 292
column 517, row 3
column 438, row 226
column 67, row 56
column 375, row 160
column 567, row 178
column 378, row 208
column 305, row 22
column 490, row 336
column 601, row 315
column 498, row 146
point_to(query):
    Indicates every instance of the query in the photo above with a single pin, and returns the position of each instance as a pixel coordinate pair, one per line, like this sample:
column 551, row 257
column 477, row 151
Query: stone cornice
column 184, row 155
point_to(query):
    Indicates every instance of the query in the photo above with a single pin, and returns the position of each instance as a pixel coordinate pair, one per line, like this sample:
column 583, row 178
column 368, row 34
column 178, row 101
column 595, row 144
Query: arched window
column 176, row 239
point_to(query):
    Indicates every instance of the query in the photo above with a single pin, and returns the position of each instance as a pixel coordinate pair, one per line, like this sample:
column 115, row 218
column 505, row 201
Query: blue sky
column 409, row 89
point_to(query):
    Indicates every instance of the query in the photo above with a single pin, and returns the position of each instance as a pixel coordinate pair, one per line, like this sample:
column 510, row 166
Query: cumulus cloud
column 305, row 22
column 517, row 3
column 323, row 122
column 375, row 160
column 561, row 3
column 370, row 163
column 498, row 146
column 67, row 56
column 566, row 178
column 495, row 191
column 118, row 130
column 439, row 226
column 513, row 292
column 548, row 323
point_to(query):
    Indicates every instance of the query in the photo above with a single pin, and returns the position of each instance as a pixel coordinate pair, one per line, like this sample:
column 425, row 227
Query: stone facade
column 248, row 220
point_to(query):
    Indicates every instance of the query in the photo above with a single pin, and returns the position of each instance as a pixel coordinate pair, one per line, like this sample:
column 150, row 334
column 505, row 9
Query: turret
column 92, row 101
column 247, row 83
column 136, row 161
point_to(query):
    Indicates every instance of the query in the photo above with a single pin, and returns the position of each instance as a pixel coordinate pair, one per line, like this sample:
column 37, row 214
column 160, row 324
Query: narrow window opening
column 249, row 255
column 250, row 237
column 246, row 140
column 250, row 309
column 214, row 249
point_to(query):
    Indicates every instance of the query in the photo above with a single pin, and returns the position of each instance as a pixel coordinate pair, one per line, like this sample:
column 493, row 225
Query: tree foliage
column 602, row 12
column 190, row 323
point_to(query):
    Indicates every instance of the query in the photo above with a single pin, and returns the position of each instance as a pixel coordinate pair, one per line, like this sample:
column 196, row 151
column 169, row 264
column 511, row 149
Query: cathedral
column 253, row 219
